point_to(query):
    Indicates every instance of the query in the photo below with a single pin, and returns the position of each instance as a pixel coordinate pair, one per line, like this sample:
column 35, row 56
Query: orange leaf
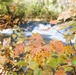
column 18, row 49
column 57, row 46
column 41, row 53
column 36, row 40
column 60, row 72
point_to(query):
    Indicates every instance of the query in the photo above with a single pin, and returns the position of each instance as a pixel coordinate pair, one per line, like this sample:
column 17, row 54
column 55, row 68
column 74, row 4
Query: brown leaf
column 53, row 21
column 65, row 15
column 2, row 60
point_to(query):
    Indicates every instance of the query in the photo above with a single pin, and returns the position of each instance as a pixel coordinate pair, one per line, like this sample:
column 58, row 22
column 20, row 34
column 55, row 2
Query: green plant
column 37, row 57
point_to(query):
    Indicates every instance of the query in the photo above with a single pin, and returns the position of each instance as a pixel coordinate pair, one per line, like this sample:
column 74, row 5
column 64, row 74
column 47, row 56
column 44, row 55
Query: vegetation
column 34, row 9
column 35, row 57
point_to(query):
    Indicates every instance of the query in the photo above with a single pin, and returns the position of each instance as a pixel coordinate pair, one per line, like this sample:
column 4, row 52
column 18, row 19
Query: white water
column 46, row 31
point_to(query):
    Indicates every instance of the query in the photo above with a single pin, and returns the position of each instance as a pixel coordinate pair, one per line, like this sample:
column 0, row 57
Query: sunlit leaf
column 60, row 72
column 6, row 42
column 14, row 73
column 21, row 40
column 36, row 40
column 14, row 36
column 21, row 63
column 63, row 59
column 19, row 49
column 46, row 72
column 75, row 46
column 37, row 71
column 41, row 54
column 54, row 63
column 74, row 60
column 29, row 72
column 57, row 46
column 1, row 47
column 68, row 68
column 73, row 23
column 69, row 50
column 32, row 65
column 65, row 15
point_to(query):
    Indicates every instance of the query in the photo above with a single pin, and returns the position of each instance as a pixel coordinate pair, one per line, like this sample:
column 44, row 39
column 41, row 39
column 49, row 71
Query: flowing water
column 45, row 29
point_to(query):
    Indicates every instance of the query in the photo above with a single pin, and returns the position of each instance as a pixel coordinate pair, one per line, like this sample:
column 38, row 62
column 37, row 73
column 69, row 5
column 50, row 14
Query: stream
column 45, row 29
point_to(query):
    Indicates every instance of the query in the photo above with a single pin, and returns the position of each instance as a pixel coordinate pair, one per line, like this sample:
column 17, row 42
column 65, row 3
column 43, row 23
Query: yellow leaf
column 69, row 50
